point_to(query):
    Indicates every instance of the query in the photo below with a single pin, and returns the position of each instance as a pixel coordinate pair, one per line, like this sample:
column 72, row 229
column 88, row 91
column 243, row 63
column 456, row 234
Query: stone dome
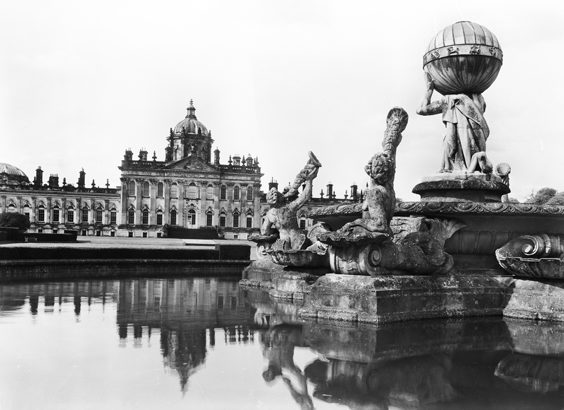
column 464, row 57
column 11, row 175
column 191, row 124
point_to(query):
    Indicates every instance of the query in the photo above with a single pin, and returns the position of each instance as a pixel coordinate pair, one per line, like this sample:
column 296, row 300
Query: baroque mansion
column 190, row 189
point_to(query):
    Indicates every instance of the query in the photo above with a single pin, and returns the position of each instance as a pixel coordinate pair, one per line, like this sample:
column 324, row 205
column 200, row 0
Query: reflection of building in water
column 51, row 294
column 187, row 312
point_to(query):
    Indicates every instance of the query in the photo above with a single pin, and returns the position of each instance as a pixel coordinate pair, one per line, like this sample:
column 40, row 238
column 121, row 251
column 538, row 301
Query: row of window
column 191, row 191
column 84, row 215
column 191, row 218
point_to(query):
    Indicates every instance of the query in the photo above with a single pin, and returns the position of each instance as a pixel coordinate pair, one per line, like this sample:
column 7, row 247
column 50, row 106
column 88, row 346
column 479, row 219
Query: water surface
column 204, row 343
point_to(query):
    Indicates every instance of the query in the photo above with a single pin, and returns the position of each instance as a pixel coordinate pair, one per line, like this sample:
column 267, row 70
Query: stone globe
column 464, row 57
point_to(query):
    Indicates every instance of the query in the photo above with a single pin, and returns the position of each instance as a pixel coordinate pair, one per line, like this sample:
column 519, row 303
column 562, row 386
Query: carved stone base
column 416, row 255
column 397, row 298
column 281, row 283
column 462, row 187
column 259, row 273
column 536, row 300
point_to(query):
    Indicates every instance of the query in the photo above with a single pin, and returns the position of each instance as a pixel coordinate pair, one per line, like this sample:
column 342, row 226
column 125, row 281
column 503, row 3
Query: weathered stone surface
column 292, row 285
column 533, row 256
column 466, row 188
column 396, row 298
column 259, row 273
column 536, row 300
column 281, row 282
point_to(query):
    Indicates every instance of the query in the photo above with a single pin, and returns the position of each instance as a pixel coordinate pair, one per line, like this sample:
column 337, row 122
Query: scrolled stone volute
column 533, row 256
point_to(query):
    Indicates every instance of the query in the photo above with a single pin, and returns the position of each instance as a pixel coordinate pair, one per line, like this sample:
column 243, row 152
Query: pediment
column 191, row 164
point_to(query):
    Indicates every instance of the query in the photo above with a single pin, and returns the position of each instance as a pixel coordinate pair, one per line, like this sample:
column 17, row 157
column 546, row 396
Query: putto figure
column 380, row 199
column 464, row 144
column 281, row 219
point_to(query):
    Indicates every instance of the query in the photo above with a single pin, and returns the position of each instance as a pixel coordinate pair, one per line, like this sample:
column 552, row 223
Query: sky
column 83, row 81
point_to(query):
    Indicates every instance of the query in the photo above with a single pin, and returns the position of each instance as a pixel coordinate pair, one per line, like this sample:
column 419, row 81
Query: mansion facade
column 189, row 189
column 54, row 208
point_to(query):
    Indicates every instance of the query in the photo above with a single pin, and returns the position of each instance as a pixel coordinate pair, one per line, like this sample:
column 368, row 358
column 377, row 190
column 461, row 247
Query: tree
column 14, row 220
column 542, row 196
column 557, row 199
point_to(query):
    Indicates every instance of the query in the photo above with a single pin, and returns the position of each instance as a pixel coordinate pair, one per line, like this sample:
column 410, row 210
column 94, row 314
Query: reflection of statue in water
column 464, row 146
column 279, row 343
column 281, row 219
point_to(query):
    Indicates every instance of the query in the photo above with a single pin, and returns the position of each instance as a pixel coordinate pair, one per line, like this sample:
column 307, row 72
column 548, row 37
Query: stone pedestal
column 280, row 282
column 536, row 300
column 462, row 187
column 397, row 298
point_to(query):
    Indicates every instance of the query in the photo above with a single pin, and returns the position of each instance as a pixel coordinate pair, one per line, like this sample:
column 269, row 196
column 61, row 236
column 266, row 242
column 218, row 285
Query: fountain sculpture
column 381, row 260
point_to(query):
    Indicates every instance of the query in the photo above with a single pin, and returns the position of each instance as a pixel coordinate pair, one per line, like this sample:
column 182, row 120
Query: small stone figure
column 281, row 219
column 365, row 246
column 379, row 200
column 306, row 173
column 464, row 144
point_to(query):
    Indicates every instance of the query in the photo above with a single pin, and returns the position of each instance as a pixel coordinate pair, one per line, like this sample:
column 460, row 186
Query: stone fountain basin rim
column 447, row 208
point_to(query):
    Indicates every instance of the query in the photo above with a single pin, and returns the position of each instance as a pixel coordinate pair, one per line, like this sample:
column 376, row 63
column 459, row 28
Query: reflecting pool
column 205, row 343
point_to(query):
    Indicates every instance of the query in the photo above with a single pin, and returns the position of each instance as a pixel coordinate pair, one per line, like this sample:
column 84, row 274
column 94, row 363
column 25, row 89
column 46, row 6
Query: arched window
column 209, row 192
column 99, row 214
column 174, row 191
column 70, row 215
column 222, row 219
column 192, row 191
column 56, row 214
column 113, row 216
column 160, row 189
column 192, row 217
column 209, row 218
column 249, row 193
column 146, row 189
column 223, row 192
column 131, row 188
column 236, row 193
column 249, row 221
column 302, row 223
column 27, row 210
column 131, row 216
column 145, row 217
column 41, row 214
column 84, row 218
column 236, row 218
column 159, row 217
column 173, row 217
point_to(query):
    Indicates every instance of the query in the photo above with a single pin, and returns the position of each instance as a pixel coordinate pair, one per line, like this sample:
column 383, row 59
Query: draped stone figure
column 466, row 130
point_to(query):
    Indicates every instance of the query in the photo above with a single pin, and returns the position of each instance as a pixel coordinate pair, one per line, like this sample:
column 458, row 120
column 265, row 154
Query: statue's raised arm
column 427, row 107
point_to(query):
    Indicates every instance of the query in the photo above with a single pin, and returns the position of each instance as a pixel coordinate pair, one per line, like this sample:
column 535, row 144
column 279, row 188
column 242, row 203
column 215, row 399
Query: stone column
column 166, row 192
column 138, row 200
column 124, row 195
